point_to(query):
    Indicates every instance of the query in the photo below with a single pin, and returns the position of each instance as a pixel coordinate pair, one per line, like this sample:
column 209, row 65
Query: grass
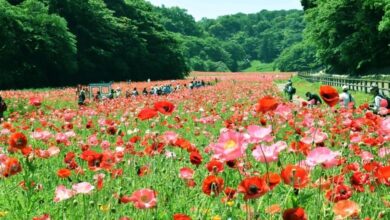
column 304, row 86
column 258, row 66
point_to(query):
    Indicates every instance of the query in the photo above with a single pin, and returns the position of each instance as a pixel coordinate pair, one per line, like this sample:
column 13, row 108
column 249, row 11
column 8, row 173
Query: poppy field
column 232, row 150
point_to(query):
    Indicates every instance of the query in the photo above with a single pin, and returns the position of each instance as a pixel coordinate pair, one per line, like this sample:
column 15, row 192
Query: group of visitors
column 165, row 89
column 346, row 99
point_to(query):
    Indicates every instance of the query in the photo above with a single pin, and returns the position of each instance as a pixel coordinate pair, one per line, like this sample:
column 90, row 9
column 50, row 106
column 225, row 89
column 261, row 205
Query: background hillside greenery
column 63, row 42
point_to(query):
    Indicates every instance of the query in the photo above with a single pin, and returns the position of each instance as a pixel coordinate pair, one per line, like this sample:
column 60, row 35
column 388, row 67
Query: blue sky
column 215, row 8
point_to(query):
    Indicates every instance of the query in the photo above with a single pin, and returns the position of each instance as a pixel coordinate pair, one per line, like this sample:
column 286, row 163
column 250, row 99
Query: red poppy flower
column 42, row 217
column 12, row 167
column 35, row 101
column 230, row 193
column 147, row 113
column 383, row 175
column 358, row 179
column 266, row 104
column 195, row 158
column 295, row 176
column 18, row 140
column 94, row 159
column 63, row 173
column 142, row 171
column 69, row 157
column 329, row 95
column 371, row 166
column 273, row 179
column 253, row 187
column 339, row 192
column 215, row 166
column 180, row 216
column 294, row 214
column 212, row 184
column 164, row 107
column 231, row 163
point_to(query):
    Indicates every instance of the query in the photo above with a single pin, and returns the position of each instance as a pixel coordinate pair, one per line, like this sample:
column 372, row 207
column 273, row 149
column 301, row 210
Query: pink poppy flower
column 322, row 155
column 186, row 173
column 383, row 152
column 92, row 140
column 53, row 151
column 42, row 135
column 269, row 154
column 144, row 199
column 170, row 137
column 314, row 136
column 69, row 116
column 283, row 111
column 35, row 101
column 366, row 156
column 3, row 158
column 62, row 138
column 257, row 134
column 5, row 131
column 231, row 145
column 83, row 188
column 62, row 193
column 70, row 134
column 356, row 137
column 105, row 145
column 385, row 126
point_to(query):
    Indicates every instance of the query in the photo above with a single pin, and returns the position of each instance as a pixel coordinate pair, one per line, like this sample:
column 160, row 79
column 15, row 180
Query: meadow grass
column 258, row 66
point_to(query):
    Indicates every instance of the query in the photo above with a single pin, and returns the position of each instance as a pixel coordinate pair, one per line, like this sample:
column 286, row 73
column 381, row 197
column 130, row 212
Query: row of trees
column 342, row 36
column 63, row 42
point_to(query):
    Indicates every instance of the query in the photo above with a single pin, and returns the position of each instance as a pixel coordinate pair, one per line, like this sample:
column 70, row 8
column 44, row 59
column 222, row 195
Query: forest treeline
column 64, row 42
column 342, row 36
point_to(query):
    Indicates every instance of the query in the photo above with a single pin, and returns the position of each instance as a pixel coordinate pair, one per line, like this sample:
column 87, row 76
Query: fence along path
column 362, row 85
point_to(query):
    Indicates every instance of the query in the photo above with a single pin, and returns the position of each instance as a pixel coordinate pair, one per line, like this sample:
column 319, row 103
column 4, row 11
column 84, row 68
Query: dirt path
column 296, row 100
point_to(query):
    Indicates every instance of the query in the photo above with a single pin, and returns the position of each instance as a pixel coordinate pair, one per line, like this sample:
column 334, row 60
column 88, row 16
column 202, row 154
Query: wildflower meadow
column 236, row 149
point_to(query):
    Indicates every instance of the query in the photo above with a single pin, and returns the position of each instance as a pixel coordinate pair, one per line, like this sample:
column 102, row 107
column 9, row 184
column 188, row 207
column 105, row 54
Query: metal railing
column 362, row 85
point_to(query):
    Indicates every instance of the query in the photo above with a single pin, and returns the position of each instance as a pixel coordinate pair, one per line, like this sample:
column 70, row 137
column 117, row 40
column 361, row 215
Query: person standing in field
column 346, row 99
column 81, row 98
column 289, row 90
column 135, row 92
column 3, row 107
column 145, row 92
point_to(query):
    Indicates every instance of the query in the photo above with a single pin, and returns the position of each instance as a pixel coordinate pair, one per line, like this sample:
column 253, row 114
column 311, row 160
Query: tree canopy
column 63, row 42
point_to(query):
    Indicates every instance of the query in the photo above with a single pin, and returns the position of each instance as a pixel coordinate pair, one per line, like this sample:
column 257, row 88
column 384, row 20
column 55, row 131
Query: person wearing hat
column 289, row 90
column 346, row 98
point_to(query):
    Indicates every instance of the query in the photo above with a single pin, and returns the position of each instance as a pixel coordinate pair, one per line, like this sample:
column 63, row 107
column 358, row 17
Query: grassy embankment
column 304, row 86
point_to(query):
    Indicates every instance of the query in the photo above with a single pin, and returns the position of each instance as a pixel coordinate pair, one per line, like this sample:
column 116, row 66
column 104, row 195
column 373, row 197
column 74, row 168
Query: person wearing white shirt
column 346, row 97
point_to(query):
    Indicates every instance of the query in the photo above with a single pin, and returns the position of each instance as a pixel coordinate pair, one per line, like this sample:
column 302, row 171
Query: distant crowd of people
column 346, row 99
column 166, row 89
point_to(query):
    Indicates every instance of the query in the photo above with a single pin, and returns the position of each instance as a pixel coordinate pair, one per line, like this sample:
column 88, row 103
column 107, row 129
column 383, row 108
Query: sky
column 215, row 8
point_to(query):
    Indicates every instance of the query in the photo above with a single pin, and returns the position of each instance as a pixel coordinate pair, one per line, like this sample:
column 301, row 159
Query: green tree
column 36, row 48
column 347, row 36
